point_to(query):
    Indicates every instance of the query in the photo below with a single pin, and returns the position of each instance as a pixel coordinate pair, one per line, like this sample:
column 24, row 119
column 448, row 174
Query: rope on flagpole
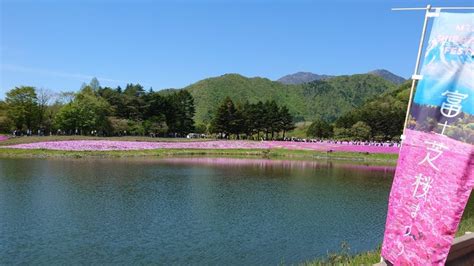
column 416, row 76
column 440, row 8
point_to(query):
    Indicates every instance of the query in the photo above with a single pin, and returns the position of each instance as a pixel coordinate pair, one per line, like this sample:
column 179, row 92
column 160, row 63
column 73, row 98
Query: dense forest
column 251, row 120
column 345, row 107
column 97, row 110
column 380, row 118
column 105, row 111
column 325, row 99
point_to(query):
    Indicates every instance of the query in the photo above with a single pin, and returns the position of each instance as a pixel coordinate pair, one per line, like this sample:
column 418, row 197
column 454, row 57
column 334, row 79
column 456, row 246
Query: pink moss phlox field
column 424, row 236
column 3, row 137
column 108, row 145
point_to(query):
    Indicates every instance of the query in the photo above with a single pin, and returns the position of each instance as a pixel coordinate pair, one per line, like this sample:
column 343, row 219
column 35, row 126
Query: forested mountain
column 325, row 99
column 302, row 77
column 383, row 116
column 344, row 100
column 332, row 98
column 306, row 77
column 209, row 93
column 387, row 75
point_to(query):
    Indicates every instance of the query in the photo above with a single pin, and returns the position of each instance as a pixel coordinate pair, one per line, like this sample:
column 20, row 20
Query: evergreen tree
column 133, row 101
column 156, row 105
column 224, row 121
column 260, row 118
column 271, row 124
column 249, row 116
column 180, row 113
column 286, row 120
column 94, row 84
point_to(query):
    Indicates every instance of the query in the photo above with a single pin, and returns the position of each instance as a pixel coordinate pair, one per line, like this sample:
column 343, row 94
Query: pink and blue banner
column 435, row 170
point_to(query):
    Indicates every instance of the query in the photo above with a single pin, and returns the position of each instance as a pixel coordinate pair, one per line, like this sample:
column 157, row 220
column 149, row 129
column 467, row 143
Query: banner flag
column 435, row 170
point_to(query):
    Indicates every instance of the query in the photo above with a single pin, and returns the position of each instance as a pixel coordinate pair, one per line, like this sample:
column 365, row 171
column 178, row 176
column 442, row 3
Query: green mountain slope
column 209, row 93
column 327, row 99
column 332, row 98
column 384, row 114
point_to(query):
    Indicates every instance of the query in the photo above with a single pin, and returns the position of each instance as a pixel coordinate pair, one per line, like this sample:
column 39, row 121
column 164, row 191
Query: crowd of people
column 18, row 133
column 347, row 142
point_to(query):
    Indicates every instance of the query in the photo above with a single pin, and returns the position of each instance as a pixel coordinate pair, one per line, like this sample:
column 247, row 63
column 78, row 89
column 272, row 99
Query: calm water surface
column 182, row 211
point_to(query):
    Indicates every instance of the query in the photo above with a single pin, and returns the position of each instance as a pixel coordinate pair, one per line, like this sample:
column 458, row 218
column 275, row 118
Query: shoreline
column 376, row 158
column 138, row 147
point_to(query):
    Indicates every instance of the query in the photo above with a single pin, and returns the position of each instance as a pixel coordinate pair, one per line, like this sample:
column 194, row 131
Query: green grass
column 300, row 130
column 343, row 258
column 467, row 222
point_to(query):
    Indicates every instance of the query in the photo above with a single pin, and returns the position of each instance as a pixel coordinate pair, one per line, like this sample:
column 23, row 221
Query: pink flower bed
column 2, row 137
column 324, row 146
column 107, row 145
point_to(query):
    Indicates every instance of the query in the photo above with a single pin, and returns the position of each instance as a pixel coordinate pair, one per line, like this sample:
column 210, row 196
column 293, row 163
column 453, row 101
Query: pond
column 187, row 210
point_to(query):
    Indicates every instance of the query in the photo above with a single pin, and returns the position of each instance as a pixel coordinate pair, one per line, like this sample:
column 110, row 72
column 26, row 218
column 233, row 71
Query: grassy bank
column 344, row 257
column 248, row 153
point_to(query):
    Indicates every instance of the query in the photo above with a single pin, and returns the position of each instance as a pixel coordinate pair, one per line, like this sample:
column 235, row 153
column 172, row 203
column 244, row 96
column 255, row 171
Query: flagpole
column 440, row 8
column 416, row 76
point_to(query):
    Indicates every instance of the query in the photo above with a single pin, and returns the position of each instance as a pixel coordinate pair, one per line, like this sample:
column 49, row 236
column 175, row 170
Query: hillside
column 384, row 114
column 306, row 77
column 209, row 93
column 327, row 99
column 334, row 97
column 302, row 77
column 387, row 75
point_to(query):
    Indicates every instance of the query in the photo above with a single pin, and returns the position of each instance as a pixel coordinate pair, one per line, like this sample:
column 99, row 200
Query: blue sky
column 170, row 44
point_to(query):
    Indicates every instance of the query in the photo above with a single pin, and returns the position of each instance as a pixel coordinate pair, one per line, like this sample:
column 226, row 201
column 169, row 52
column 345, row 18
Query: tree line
column 97, row 110
column 248, row 120
column 106, row 111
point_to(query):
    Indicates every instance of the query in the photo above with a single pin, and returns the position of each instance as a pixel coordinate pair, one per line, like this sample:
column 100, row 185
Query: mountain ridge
column 306, row 77
column 302, row 77
column 327, row 99
column 387, row 75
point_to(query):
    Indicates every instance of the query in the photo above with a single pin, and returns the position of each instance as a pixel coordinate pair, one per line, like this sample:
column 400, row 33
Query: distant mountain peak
column 387, row 75
column 306, row 77
column 302, row 77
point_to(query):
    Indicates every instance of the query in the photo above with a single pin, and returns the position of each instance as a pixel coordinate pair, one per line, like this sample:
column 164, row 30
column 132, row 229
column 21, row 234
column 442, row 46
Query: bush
column 320, row 129
column 118, row 125
column 360, row 131
column 201, row 128
column 341, row 132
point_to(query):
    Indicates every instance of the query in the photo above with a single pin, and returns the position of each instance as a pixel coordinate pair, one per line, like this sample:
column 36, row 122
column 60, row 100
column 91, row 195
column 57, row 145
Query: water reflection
column 187, row 210
column 268, row 163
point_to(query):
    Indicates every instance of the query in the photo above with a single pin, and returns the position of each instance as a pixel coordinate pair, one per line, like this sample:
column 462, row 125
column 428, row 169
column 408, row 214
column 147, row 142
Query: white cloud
column 53, row 73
